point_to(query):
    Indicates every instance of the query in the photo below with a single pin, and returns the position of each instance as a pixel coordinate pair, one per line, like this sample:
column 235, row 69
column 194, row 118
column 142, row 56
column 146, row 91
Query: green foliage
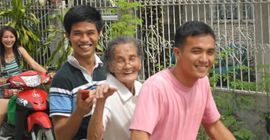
column 264, row 82
column 229, row 73
column 24, row 21
column 228, row 104
column 264, row 85
column 267, row 116
column 127, row 23
column 239, row 84
column 56, row 36
column 243, row 134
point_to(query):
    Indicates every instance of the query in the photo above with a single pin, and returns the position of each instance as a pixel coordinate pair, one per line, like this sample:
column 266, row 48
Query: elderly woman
column 123, row 60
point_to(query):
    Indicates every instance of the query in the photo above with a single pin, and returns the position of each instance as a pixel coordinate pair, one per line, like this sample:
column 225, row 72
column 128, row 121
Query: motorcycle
column 32, row 120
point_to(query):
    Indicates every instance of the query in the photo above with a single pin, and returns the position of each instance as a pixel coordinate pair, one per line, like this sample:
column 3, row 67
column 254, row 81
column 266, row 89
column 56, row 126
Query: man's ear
column 176, row 51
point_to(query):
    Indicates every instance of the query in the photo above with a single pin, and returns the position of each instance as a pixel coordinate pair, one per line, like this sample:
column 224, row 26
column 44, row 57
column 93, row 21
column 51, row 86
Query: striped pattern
column 63, row 90
column 66, row 83
column 11, row 69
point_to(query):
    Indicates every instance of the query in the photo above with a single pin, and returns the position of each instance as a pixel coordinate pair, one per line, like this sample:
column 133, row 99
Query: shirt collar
column 122, row 90
column 75, row 63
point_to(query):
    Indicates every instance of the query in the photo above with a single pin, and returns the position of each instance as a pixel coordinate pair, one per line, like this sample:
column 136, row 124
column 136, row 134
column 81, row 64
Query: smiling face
column 195, row 57
column 84, row 39
column 8, row 39
column 126, row 63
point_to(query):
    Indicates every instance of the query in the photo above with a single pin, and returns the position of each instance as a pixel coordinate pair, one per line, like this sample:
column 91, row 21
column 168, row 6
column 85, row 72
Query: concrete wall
column 252, row 118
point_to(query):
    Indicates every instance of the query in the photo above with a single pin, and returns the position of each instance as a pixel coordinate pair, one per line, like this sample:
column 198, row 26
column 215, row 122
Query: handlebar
column 4, row 86
column 27, row 79
column 51, row 68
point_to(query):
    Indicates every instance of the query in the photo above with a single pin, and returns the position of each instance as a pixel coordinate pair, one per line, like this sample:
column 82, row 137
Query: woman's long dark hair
column 14, row 47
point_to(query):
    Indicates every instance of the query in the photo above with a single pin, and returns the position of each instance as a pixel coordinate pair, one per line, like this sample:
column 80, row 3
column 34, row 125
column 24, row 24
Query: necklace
column 9, row 58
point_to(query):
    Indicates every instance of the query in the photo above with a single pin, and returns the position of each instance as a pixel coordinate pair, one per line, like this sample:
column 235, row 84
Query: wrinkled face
column 126, row 63
column 8, row 39
column 84, row 39
column 196, row 57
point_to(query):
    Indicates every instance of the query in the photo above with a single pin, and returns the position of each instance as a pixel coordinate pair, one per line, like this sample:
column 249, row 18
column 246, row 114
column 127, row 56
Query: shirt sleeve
column 211, row 113
column 60, row 97
column 146, row 115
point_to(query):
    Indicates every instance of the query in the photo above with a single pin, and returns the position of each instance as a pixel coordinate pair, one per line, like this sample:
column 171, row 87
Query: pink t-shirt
column 167, row 110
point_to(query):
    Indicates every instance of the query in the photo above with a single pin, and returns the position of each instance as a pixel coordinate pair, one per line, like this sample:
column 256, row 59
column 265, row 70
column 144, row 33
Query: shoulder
column 22, row 52
column 21, row 49
column 100, row 73
column 66, row 75
column 138, row 84
column 204, row 82
column 158, row 78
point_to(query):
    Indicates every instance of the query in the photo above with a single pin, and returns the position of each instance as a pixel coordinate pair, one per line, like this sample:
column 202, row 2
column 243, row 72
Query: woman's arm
column 30, row 61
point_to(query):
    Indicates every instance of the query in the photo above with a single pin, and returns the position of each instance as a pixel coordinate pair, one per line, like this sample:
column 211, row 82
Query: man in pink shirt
column 174, row 102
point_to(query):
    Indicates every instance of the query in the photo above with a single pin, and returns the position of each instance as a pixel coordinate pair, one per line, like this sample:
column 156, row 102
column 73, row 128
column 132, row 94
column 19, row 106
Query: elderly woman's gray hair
column 109, row 51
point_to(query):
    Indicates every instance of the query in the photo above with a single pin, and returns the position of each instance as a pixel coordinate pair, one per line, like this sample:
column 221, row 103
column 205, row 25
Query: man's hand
column 85, row 102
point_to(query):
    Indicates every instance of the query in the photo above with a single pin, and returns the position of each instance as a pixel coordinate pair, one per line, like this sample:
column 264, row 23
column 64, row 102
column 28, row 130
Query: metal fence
column 242, row 29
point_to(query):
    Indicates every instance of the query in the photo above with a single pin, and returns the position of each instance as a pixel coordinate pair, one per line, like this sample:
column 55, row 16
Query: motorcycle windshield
column 31, row 81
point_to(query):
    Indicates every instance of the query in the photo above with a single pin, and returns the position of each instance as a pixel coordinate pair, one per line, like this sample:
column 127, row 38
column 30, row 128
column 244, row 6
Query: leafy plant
column 56, row 38
column 264, row 82
column 264, row 85
column 127, row 23
column 24, row 21
column 228, row 105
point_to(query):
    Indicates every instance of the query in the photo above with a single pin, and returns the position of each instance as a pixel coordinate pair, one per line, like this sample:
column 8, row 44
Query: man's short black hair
column 192, row 28
column 82, row 13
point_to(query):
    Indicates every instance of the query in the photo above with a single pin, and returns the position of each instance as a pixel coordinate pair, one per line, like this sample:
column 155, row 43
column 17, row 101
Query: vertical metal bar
column 185, row 8
column 254, row 44
column 246, row 8
column 139, row 36
column 217, row 9
column 174, row 29
column 147, row 40
column 233, row 41
column 204, row 12
column 224, row 9
column 268, row 24
column 262, row 35
column 191, row 9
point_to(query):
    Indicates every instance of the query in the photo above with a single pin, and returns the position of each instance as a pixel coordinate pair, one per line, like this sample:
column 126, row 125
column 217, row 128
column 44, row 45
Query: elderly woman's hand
column 103, row 91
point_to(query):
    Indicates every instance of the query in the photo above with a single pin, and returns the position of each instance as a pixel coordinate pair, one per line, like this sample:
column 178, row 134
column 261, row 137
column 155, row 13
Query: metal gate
column 242, row 29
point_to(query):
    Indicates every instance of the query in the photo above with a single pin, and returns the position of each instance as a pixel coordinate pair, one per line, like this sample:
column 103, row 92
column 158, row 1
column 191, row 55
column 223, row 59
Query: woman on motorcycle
column 11, row 53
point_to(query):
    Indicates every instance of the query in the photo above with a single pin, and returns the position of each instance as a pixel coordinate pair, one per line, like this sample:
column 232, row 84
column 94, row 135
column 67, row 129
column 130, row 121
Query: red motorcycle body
column 31, row 104
column 34, row 99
